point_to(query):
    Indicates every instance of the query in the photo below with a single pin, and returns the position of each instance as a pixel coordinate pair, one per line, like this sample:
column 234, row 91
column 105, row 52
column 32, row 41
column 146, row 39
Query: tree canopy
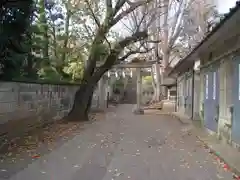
column 80, row 40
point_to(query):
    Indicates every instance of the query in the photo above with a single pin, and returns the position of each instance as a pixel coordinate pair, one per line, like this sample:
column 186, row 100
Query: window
column 214, row 85
column 206, row 86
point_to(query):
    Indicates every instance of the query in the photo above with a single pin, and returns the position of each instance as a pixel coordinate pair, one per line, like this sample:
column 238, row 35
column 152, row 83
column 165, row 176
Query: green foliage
column 118, row 84
column 49, row 73
column 14, row 22
column 147, row 80
column 38, row 44
column 75, row 70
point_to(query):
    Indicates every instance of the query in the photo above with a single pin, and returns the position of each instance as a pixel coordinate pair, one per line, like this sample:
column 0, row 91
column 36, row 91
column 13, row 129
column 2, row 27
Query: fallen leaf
column 36, row 156
column 236, row 177
column 226, row 167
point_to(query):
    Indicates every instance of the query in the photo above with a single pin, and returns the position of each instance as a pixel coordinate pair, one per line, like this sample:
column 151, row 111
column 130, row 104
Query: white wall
column 225, row 101
column 180, row 94
column 197, row 102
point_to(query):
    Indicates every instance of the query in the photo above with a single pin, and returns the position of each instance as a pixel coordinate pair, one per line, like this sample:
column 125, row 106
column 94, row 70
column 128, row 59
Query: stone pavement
column 126, row 146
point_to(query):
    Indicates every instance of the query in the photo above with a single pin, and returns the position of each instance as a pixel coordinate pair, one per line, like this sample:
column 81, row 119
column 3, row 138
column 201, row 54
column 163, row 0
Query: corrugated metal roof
column 226, row 17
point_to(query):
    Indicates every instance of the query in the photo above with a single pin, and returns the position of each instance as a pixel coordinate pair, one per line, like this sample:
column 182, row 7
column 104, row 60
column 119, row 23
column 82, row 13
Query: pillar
column 158, row 81
column 102, row 93
column 168, row 94
column 138, row 109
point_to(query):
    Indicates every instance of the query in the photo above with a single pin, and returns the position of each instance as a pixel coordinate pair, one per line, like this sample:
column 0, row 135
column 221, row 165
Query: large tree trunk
column 82, row 103
column 83, row 97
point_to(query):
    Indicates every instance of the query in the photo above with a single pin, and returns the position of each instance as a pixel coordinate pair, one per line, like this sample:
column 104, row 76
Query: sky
column 225, row 5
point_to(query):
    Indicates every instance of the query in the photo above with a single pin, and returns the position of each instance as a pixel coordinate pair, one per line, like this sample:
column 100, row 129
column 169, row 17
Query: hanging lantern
column 108, row 74
column 131, row 74
column 116, row 74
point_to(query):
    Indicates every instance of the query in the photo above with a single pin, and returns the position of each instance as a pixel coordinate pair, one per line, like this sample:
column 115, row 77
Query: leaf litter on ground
column 48, row 137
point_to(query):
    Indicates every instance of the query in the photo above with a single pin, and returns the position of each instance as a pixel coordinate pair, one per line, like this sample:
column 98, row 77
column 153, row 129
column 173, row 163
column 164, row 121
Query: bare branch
column 134, row 16
column 138, row 36
column 92, row 13
column 153, row 41
column 118, row 6
column 132, row 7
column 145, row 18
column 176, row 24
column 134, row 52
column 109, row 5
column 118, row 48
column 88, row 30
column 128, row 28
column 138, row 25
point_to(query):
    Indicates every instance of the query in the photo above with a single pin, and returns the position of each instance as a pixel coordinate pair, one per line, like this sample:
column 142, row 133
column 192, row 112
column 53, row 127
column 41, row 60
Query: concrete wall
column 196, row 100
column 225, row 97
column 26, row 105
column 226, row 81
column 222, row 52
column 181, row 94
column 189, row 94
column 201, row 97
column 219, row 49
column 186, row 90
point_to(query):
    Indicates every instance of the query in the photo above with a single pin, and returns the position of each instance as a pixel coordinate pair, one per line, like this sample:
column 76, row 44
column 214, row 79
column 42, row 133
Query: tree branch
column 132, row 7
column 118, row 6
column 109, row 11
column 128, row 28
column 177, row 25
column 140, row 35
column 92, row 13
column 109, row 4
column 118, row 48
column 134, row 52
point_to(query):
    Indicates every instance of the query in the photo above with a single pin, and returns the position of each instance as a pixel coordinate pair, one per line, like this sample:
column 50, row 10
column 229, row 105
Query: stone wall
column 27, row 105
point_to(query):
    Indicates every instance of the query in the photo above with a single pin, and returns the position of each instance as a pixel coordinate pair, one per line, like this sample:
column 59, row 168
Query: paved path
column 125, row 146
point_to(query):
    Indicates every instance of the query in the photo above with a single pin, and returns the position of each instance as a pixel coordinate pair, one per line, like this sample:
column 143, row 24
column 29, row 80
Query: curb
column 232, row 168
